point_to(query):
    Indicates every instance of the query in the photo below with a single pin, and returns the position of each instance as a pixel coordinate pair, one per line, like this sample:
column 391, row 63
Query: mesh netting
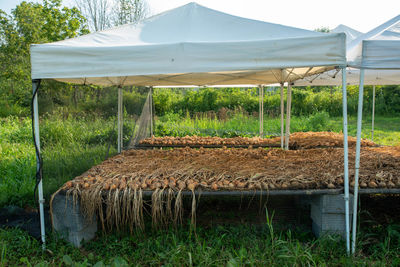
column 144, row 126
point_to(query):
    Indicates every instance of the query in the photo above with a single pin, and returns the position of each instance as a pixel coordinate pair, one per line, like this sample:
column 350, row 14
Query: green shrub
column 319, row 122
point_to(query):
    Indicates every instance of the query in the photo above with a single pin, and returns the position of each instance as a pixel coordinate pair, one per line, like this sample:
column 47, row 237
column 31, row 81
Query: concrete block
column 69, row 221
column 328, row 214
column 331, row 203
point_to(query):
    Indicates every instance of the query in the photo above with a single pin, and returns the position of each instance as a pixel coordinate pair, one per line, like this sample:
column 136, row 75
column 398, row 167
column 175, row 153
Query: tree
column 103, row 14
column 96, row 12
column 129, row 11
column 323, row 29
column 31, row 23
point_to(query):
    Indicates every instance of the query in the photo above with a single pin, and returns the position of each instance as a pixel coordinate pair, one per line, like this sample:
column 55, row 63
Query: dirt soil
column 240, row 169
column 297, row 140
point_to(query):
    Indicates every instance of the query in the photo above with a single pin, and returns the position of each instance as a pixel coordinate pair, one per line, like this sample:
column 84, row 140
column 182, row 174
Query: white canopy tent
column 381, row 45
column 351, row 33
column 378, row 49
column 189, row 45
column 373, row 59
column 388, row 31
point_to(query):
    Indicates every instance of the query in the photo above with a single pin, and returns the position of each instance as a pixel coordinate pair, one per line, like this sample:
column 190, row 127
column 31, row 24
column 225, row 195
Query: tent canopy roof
column 378, row 48
column 351, row 33
column 381, row 59
column 190, row 45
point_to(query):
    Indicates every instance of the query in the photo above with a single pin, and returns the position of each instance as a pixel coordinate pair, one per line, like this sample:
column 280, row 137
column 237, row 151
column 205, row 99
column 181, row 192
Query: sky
column 362, row 15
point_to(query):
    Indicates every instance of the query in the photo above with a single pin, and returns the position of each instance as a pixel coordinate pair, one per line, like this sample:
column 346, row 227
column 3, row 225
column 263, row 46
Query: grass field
column 387, row 129
column 222, row 245
column 70, row 146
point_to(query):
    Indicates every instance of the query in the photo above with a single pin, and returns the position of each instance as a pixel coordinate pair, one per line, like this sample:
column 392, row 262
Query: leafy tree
column 31, row 23
column 103, row 14
column 96, row 12
column 129, row 11
column 323, row 29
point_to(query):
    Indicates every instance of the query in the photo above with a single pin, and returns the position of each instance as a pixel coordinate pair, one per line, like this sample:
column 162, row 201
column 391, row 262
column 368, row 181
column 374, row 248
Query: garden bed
column 299, row 140
column 121, row 182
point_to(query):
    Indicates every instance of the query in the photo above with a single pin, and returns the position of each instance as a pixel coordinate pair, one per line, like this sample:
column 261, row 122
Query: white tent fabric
column 334, row 78
column 351, row 33
column 381, row 48
column 190, row 45
column 378, row 48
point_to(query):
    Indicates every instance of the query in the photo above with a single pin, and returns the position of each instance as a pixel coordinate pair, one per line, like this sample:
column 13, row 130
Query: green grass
column 222, row 245
column 70, row 146
column 237, row 125
column 387, row 129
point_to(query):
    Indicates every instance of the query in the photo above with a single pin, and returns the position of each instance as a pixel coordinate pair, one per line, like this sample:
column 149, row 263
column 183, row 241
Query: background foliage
column 49, row 21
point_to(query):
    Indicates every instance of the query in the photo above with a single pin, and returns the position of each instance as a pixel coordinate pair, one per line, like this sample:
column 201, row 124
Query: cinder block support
column 69, row 221
column 328, row 214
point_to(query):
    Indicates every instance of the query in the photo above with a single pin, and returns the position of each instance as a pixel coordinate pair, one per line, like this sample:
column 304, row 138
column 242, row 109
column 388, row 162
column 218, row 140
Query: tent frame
column 36, row 131
column 261, row 109
column 373, row 113
column 346, row 160
column 357, row 163
column 120, row 119
column 39, row 180
column 282, row 116
column 288, row 114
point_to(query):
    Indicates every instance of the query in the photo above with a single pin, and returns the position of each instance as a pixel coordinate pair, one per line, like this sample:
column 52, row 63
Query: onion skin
column 214, row 186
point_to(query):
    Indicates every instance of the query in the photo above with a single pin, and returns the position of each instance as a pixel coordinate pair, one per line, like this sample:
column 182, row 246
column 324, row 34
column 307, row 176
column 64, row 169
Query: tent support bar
column 282, row 116
column 35, row 109
column 309, row 192
column 120, row 120
column 346, row 160
column 288, row 112
column 334, row 75
column 151, row 111
column 358, row 147
column 373, row 113
column 261, row 109
column 315, row 77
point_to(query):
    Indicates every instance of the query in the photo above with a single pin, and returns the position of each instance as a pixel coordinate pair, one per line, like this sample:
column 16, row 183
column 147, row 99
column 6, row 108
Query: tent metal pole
column 288, row 112
column 357, row 167
column 261, row 109
column 346, row 161
column 35, row 87
column 120, row 120
column 151, row 110
column 282, row 116
column 373, row 113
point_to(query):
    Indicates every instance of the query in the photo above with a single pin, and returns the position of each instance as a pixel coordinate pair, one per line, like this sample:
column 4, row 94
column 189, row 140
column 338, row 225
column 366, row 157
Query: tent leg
column 151, row 111
column 346, row 160
column 120, row 120
column 288, row 112
column 358, row 147
column 373, row 113
column 35, row 87
column 261, row 109
column 282, row 116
